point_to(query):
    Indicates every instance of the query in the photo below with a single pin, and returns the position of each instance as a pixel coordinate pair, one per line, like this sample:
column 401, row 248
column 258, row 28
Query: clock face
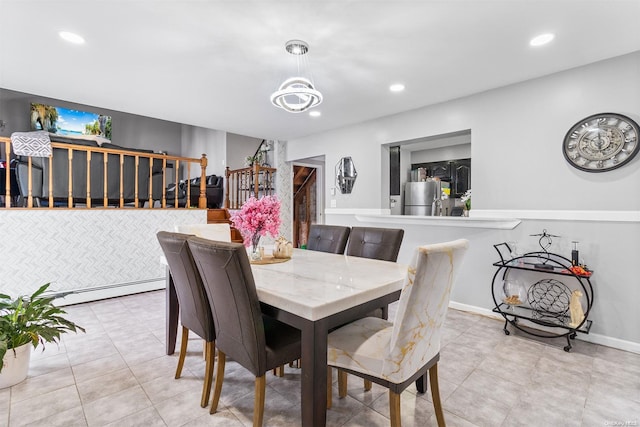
column 601, row 142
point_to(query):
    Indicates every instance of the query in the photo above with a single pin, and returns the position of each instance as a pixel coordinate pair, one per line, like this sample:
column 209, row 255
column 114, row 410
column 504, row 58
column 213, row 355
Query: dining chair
column 395, row 354
column 256, row 342
column 195, row 312
column 378, row 243
column 328, row 238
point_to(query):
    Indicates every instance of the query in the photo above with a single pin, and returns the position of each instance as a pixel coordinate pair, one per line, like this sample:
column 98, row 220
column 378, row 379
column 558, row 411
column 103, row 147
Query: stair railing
column 241, row 184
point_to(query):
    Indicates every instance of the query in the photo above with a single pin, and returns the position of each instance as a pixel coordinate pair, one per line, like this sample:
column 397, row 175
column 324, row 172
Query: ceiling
column 214, row 63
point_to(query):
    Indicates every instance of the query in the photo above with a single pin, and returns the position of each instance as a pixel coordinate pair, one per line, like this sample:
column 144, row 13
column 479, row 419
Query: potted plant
column 26, row 320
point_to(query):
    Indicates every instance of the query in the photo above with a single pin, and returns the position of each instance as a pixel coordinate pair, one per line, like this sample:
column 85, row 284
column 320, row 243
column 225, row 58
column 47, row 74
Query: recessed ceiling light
column 542, row 39
column 71, row 37
column 397, row 87
column 315, row 113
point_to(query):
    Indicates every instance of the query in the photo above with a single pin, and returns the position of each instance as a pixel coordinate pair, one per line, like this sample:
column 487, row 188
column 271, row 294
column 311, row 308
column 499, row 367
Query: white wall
column 454, row 152
column 90, row 251
column 519, row 170
column 517, row 134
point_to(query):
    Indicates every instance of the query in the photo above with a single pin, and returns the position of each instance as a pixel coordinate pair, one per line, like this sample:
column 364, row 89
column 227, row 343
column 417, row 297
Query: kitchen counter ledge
column 442, row 221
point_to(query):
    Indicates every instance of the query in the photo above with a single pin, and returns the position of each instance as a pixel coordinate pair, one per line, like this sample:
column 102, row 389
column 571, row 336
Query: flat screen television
column 71, row 123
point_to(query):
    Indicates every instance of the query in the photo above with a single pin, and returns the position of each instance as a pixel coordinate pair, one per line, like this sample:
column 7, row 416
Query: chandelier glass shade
column 297, row 94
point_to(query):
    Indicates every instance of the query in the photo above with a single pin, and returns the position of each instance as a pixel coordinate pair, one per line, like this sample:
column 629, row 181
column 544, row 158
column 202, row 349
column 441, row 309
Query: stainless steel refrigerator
column 422, row 198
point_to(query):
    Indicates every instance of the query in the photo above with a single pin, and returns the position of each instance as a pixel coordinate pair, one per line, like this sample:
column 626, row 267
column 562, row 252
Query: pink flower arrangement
column 257, row 218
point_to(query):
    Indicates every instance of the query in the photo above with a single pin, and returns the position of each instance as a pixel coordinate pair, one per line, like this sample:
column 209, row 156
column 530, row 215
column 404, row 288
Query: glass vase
column 255, row 249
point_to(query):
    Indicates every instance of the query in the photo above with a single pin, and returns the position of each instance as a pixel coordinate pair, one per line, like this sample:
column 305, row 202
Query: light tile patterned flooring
column 118, row 375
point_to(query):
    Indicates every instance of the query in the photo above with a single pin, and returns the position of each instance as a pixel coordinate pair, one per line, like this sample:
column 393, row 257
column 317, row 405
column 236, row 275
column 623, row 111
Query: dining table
column 314, row 292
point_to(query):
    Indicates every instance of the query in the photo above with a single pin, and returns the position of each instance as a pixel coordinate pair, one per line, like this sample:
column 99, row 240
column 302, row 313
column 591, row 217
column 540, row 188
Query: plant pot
column 15, row 366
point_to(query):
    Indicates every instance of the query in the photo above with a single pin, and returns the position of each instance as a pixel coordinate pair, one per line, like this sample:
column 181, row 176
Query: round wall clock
column 601, row 142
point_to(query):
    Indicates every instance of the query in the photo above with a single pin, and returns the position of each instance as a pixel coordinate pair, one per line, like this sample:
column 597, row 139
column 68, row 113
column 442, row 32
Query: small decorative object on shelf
column 466, row 202
column 545, row 242
column 575, row 308
column 574, row 254
column 514, row 292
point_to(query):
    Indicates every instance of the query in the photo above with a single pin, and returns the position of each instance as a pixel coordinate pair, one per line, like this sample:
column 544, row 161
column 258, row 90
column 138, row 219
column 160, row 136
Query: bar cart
column 543, row 290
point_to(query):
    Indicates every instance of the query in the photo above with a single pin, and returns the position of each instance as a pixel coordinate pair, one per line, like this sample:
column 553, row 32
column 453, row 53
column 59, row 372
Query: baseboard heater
column 78, row 296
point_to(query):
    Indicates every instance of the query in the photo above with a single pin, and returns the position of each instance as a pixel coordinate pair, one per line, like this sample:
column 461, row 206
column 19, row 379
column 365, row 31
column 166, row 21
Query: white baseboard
column 629, row 346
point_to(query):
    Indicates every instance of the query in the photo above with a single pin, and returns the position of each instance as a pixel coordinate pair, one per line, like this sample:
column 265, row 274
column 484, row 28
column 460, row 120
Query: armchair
column 214, row 192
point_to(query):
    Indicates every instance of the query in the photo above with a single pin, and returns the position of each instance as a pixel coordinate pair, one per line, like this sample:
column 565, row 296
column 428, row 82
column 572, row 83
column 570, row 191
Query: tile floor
column 118, row 375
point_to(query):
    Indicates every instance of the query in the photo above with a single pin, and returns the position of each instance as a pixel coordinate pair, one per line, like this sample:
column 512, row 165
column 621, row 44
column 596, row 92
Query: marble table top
column 314, row 285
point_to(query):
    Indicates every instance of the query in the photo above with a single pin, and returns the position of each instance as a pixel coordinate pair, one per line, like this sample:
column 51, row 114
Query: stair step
column 218, row 216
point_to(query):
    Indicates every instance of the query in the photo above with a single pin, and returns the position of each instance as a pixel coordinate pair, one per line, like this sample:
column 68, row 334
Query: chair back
column 377, row 243
column 195, row 313
column 328, row 238
column 219, row 232
column 228, row 282
column 422, row 308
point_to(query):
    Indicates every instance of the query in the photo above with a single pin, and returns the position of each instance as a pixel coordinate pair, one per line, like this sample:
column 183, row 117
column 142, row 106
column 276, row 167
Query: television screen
column 74, row 123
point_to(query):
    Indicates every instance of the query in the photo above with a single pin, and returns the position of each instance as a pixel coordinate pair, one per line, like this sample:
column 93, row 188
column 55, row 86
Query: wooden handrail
column 241, row 184
column 121, row 153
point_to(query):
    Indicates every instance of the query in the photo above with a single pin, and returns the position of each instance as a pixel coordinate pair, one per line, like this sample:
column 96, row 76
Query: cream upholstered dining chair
column 375, row 243
column 219, row 232
column 395, row 354
column 195, row 313
column 255, row 341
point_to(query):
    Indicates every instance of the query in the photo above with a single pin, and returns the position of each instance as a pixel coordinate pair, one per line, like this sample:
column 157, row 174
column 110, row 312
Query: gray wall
column 238, row 148
column 519, row 171
column 129, row 130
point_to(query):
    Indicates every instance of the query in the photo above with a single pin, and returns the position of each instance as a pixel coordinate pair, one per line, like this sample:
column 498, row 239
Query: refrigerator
column 422, row 198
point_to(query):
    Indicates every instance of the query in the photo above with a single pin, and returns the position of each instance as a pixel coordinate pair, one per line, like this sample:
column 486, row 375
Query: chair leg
column 394, row 409
column 219, row 378
column 210, row 355
column 258, row 404
column 183, row 351
column 342, row 383
column 367, row 385
column 435, row 395
column 329, row 391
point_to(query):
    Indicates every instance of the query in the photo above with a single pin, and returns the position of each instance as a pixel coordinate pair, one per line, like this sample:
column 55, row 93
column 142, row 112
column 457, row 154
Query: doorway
column 307, row 201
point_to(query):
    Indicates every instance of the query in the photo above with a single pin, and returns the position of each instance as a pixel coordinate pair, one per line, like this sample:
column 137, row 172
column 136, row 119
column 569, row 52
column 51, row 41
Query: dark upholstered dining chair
column 376, row 243
column 256, row 342
column 396, row 354
column 328, row 238
column 195, row 313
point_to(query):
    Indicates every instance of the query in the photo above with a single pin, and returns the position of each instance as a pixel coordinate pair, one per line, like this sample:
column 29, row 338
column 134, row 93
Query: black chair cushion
column 328, row 238
column 376, row 243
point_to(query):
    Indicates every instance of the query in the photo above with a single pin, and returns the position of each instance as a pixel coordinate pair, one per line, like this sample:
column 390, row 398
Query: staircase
column 221, row 216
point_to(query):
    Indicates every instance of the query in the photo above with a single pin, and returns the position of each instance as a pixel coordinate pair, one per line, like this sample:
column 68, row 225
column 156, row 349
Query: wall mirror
column 345, row 175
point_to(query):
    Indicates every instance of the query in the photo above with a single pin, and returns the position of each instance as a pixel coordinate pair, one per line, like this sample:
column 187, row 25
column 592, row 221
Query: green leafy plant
column 31, row 319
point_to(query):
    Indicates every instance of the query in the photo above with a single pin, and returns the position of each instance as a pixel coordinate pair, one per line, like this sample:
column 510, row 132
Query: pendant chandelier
column 297, row 94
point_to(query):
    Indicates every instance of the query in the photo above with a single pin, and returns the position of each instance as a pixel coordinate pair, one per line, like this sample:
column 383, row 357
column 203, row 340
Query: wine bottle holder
column 549, row 298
